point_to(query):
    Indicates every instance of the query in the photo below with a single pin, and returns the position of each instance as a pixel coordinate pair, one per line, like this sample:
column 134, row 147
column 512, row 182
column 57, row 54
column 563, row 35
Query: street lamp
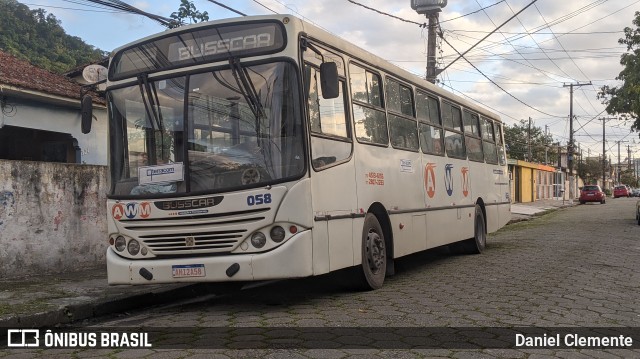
column 430, row 8
column 424, row 7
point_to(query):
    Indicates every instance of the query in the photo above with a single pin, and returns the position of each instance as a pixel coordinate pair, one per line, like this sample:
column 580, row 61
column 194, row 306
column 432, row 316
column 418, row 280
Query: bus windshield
column 241, row 127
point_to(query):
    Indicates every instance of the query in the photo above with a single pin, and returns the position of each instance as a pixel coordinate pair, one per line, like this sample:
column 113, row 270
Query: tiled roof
column 20, row 73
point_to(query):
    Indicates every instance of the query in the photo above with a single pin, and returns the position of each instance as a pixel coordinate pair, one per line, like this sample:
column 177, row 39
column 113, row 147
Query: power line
column 496, row 29
column 264, row 6
column 541, row 33
column 387, row 14
column 76, row 9
column 471, row 13
column 228, row 8
column 493, row 82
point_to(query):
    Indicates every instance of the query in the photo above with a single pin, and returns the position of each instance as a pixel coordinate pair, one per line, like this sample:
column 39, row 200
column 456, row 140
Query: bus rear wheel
column 477, row 244
column 374, row 255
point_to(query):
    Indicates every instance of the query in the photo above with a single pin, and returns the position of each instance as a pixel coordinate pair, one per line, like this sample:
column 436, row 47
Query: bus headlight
column 258, row 239
column 133, row 247
column 277, row 234
column 120, row 244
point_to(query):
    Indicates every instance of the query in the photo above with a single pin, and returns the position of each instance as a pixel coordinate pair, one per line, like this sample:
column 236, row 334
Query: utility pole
column 546, row 147
column 604, row 150
column 529, row 142
column 430, row 8
column 432, row 72
column 619, row 160
column 570, row 146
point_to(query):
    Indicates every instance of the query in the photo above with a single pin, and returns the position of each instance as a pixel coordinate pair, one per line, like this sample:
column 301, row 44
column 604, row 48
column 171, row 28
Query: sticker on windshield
column 173, row 172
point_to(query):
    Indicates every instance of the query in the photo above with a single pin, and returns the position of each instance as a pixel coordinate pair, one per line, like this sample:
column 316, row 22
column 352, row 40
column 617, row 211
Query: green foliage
column 628, row 177
column 37, row 37
column 625, row 100
column 590, row 170
column 518, row 140
column 187, row 11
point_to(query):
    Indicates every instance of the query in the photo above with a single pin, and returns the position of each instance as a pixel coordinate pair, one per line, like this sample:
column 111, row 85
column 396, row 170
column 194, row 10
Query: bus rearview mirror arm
column 329, row 84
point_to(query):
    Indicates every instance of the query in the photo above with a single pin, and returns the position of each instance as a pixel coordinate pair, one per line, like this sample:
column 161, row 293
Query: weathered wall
column 52, row 217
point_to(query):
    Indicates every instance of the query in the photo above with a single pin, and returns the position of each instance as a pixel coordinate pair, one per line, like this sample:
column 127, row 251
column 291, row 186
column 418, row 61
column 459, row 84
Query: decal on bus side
column 131, row 210
column 465, row 180
column 448, row 181
column 430, row 179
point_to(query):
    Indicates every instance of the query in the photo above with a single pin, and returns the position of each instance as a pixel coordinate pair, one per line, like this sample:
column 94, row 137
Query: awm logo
column 448, row 181
column 131, row 210
column 430, row 179
column 465, row 181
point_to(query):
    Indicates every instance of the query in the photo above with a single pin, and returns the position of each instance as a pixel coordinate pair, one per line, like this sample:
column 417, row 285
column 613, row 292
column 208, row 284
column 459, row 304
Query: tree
column 628, row 177
column 624, row 101
column 518, row 140
column 590, row 170
column 187, row 11
column 37, row 37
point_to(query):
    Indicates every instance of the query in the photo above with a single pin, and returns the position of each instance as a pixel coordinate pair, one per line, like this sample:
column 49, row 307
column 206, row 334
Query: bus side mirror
column 86, row 110
column 329, row 80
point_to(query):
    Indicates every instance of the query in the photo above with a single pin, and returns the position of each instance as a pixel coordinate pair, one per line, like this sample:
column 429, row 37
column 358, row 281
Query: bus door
column 332, row 171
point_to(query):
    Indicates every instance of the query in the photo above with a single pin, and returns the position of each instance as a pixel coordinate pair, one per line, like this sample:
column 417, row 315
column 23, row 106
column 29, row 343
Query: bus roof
column 335, row 42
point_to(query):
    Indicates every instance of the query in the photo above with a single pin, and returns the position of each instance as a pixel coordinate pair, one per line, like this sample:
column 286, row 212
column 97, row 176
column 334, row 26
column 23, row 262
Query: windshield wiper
column 150, row 107
column 248, row 90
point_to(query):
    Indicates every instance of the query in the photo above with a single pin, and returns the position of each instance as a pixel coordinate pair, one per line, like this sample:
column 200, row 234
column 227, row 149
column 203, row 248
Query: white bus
column 263, row 147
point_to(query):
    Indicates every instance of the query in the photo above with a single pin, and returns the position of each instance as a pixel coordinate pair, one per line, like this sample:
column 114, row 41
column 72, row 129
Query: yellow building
column 533, row 181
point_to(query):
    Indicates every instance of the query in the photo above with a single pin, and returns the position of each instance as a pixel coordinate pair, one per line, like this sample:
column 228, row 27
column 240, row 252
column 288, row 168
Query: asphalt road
column 576, row 267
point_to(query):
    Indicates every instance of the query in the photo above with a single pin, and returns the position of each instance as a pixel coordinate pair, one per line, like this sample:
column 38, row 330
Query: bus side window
column 502, row 157
column 488, row 141
column 330, row 135
column 453, row 137
column 403, row 128
column 428, row 114
column 472, row 136
column 368, row 114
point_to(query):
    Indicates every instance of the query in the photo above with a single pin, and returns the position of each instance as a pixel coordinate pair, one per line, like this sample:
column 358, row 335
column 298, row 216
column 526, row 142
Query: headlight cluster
column 267, row 238
column 133, row 247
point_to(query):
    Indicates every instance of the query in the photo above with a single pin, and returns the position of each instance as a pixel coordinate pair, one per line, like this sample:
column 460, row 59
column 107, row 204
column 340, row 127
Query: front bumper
column 290, row 260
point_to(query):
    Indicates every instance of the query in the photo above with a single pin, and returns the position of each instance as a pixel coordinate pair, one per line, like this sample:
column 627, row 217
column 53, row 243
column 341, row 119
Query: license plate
column 190, row 270
column 590, row 194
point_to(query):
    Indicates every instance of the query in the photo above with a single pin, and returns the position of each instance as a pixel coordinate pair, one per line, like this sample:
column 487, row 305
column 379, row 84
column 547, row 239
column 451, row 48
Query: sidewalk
column 45, row 301
column 525, row 211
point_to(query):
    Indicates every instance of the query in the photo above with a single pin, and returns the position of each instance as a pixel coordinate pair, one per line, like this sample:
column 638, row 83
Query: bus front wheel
column 374, row 254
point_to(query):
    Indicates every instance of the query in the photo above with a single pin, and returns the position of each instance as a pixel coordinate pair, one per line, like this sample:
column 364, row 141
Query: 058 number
column 259, row 199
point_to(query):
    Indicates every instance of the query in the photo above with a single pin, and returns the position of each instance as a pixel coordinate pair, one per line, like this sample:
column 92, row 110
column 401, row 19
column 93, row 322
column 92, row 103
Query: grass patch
column 35, row 306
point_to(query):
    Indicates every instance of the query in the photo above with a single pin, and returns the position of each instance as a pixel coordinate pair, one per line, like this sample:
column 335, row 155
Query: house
column 40, row 117
column 53, row 178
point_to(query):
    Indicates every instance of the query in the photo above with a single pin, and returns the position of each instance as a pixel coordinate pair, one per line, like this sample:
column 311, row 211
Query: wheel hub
column 375, row 251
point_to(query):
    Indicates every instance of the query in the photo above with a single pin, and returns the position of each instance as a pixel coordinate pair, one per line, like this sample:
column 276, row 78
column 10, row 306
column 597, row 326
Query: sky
column 527, row 65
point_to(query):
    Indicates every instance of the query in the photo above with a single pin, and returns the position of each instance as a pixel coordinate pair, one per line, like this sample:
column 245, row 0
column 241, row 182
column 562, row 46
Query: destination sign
column 211, row 45
column 198, row 46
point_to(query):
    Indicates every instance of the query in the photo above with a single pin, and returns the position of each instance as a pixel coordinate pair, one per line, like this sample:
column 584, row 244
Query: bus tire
column 477, row 244
column 374, row 255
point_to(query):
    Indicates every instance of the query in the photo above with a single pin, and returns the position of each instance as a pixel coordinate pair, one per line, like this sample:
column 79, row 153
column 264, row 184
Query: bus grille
column 214, row 233
column 192, row 243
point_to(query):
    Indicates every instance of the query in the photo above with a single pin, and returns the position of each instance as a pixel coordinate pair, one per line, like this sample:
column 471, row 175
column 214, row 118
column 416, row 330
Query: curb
column 104, row 306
